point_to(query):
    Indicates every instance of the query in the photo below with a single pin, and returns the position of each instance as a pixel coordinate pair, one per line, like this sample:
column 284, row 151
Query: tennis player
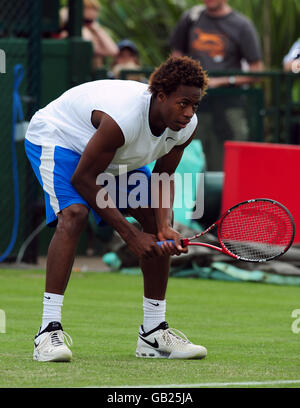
column 99, row 128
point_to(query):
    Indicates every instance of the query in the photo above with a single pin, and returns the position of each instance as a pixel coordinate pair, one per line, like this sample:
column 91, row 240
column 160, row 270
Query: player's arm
column 164, row 213
column 96, row 157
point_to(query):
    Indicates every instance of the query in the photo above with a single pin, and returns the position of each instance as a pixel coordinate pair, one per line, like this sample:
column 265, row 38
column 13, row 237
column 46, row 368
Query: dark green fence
column 50, row 67
column 20, row 27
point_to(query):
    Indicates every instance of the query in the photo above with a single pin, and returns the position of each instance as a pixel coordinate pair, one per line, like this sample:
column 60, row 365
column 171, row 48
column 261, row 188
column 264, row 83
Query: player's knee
column 149, row 223
column 73, row 218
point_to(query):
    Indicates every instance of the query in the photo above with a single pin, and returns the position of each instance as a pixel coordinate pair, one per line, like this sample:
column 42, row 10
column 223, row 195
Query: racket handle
column 159, row 243
column 183, row 242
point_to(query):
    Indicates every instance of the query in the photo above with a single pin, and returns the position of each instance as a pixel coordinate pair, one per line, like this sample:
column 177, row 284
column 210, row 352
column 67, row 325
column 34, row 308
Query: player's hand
column 169, row 248
column 144, row 245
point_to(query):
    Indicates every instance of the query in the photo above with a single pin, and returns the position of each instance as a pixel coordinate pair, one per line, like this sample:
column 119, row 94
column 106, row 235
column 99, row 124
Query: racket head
column 256, row 230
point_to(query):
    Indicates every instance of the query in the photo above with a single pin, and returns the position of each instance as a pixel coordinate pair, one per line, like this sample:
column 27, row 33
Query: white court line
column 213, row 384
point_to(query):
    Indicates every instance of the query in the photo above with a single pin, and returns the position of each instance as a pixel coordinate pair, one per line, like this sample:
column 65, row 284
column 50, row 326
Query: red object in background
column 262, row 170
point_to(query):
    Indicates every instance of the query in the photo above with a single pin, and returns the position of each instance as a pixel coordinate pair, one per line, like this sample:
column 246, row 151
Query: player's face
column 180, row 106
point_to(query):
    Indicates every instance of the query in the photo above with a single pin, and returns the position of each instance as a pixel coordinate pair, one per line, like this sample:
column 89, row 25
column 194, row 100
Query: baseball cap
column 128, row 44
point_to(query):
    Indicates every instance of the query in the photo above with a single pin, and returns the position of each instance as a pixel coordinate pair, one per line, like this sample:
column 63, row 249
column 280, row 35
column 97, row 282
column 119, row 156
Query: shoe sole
column 62, row 357
column 151, row 354
column 146, row 353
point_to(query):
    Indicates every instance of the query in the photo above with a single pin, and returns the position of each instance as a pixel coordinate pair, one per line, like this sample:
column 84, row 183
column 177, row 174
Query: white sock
column 154, row 313
column 52, row 308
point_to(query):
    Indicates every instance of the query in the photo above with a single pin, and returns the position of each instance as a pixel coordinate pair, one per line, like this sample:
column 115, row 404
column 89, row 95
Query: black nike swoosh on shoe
column 155, row 344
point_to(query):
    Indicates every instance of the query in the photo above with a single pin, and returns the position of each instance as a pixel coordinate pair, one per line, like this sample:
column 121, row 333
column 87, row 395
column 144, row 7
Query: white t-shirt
column 66, row 122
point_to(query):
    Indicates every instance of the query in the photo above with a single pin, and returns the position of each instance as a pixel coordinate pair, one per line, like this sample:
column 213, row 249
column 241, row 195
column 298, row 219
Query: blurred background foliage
column 149, row 24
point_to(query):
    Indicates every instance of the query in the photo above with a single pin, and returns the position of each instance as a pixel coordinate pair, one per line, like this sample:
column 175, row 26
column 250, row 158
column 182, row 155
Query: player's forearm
column 107, row 210
column 102, row 203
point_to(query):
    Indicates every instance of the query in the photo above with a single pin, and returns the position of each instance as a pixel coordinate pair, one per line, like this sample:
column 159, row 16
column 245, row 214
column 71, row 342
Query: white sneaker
column 49, row 344
column 163, row 342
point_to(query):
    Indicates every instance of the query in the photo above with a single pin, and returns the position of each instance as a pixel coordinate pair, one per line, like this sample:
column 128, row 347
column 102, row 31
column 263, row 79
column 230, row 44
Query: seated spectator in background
column 127, row 59
column 103, row 45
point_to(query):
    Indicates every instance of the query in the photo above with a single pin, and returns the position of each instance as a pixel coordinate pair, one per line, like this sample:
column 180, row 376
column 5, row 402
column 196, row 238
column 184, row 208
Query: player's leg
column 155, row 274
column 71, row 222
column 155, row 339
column 50, row 339
column 155, row 270
column 54, row 166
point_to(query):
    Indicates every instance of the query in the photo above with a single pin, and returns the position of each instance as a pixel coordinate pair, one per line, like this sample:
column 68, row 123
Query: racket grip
column 159, row 243
column 183, row 242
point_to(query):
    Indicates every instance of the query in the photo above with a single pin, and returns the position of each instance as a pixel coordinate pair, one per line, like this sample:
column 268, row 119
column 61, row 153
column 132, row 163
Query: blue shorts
column 54, row 167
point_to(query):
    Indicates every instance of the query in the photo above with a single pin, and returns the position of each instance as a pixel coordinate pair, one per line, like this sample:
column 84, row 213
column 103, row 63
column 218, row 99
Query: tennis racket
column 256, row 230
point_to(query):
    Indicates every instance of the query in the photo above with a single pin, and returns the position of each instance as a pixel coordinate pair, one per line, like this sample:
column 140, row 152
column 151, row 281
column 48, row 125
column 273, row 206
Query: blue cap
column 128, row 44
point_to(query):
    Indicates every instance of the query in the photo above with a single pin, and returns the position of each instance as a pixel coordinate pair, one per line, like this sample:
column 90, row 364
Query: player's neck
column 156, row 123
column 219, row 12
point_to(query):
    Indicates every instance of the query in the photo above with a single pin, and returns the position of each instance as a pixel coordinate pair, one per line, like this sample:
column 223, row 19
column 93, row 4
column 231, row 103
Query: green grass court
column 245, row 327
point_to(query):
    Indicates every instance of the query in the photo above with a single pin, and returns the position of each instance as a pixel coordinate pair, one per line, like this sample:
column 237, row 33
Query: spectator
column 103, row 45
column 222, row 39
column 291, row 63
column 127, row 59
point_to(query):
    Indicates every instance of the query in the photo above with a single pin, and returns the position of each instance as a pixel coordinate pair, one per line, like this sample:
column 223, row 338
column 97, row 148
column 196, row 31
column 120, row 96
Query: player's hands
column 144, row 245
column 170, row 249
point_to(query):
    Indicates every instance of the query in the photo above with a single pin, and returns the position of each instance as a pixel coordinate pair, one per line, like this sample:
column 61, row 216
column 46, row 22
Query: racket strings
column 256, row 230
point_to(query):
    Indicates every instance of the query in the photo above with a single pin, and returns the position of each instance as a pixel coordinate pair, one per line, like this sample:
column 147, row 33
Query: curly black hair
column 177, row 71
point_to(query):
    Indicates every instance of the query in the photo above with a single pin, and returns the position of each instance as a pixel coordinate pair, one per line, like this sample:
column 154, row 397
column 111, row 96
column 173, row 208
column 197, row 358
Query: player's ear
column 161, row 96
